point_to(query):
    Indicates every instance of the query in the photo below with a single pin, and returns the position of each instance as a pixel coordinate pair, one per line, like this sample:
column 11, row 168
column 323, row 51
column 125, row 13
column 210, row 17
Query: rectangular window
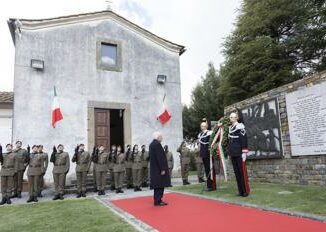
column 109, row 55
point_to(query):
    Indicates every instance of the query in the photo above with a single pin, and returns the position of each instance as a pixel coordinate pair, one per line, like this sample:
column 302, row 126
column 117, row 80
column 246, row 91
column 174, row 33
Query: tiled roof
column 6, row 97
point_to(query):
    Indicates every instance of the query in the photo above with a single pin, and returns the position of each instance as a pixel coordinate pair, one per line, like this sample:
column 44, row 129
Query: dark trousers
column 207, row 167
column 237, row 167
column 158, row 194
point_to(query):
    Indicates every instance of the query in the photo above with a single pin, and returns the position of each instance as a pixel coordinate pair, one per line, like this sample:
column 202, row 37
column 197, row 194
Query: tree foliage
column 274, row 42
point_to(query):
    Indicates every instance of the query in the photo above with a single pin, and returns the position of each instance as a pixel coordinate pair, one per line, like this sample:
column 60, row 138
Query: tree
column 274, row 42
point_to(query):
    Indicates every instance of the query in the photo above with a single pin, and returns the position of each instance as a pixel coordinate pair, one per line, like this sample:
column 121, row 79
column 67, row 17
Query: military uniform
column 22, row 157
column 60, row 170
column 169, row 157
column 111, row 173
column 7, row 172
column 119, row 170
column 101, row 168
column 185, row 163
column 199, row 166
column 136, row 170
column 128, row 165
column 238, row 145
column 144, row 171
column 83, row 161
column 45, row 167
column 34, row 173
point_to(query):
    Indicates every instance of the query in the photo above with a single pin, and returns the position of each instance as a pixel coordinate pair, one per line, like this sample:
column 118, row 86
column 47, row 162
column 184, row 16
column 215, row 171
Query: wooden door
column 102, row 128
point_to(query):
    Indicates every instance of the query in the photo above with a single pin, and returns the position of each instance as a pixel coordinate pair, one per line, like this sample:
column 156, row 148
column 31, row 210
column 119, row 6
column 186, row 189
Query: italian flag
column 165, row 116
column 56, row 112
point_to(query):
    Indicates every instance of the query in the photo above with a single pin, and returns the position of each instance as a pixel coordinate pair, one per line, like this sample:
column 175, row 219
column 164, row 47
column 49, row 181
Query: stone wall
column 290, row 169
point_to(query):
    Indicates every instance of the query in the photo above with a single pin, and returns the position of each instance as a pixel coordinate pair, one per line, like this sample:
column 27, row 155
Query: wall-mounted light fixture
column 37, row 64
column 161, row 79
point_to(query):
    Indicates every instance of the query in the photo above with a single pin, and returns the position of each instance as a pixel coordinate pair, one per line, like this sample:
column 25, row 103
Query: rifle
column 52, row 159
column 1, row 157
column 74, row 158
column 28, row 154
column 95, row 154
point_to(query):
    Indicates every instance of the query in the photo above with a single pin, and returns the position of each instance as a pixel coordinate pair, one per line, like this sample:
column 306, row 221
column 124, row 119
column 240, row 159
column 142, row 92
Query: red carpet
column 186, row 213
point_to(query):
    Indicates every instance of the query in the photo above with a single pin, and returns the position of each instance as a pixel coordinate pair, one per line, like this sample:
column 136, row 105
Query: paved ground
column 110, row 195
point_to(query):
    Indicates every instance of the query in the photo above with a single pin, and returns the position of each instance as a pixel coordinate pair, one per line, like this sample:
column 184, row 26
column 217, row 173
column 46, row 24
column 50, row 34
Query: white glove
column 244, row 157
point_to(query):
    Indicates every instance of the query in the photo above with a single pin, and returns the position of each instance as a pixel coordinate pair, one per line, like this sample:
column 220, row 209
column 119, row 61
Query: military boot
column 30, row 199
column 4, row 201
column 61, row 197
column 19, row 195
column 56, row 197
column 8, row 201
column 35, row 199
column 83, row 194
column 79, row 195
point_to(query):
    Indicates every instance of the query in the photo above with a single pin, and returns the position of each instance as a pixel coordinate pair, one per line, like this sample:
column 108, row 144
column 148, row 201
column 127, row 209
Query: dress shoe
column 164, row 203
column 30, row 199
column 3, row 201
column 245, row 195
column 209, row 189
column 8, row 201
column 187, row 182
column 121, row 191
column 201, row 180
column 56, row 197
column 160, row 204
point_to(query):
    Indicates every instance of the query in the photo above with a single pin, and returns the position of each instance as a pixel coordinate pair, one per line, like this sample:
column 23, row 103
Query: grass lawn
column 68, row 215
column 307, row 199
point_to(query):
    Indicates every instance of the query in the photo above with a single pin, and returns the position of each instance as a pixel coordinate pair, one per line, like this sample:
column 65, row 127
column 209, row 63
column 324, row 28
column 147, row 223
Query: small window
column 109, row 55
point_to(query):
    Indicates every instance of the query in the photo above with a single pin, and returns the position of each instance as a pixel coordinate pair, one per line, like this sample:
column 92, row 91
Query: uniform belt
column 234, row 136
column 85, row 162
column 10, row 166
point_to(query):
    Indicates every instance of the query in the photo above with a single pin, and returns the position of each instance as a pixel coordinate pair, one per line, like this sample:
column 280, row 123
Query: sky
column 201, row 26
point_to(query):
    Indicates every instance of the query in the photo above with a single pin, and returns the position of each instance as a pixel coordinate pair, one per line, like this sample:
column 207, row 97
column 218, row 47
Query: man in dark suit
column 159, row 170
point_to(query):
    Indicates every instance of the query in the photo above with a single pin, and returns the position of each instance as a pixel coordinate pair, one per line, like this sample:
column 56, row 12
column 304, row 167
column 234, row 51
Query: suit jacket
column 9, row 164
column 36, row 164
column 21, row 155
column 238, row 142
column 119, row 164
column 83, row 161
column 62, row 163
column 158, row 163
column 102, row 164
column 184, row 155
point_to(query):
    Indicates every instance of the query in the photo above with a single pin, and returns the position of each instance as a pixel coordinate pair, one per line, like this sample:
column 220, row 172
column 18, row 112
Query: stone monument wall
column 287, row 142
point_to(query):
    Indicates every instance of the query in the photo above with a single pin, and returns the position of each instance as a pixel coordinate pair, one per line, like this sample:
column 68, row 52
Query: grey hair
column 156, row 134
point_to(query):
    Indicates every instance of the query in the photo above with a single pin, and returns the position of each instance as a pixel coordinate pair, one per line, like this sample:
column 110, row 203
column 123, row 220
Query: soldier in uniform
column 9, row 163
column 119, row 169
column 136, row 168
column 185, row 162
column 83, row 160
column 128, row 165
column 113, row 152
column 199, row 164
column 61, row 165
column 101, row 163
column 145, row 161
column 45, row 167
column 22, row 158
column 94, row 168
column 203, row 138
column 238, row 149
column 169, row 157
column 34, row 173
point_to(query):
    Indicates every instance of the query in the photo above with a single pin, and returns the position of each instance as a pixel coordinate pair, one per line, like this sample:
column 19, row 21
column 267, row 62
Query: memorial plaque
column 263, row 129
column 306, row 110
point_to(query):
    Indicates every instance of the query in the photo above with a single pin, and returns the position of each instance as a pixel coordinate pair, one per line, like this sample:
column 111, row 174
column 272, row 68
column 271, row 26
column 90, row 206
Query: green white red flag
column 56, row 111
column 165, row 116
